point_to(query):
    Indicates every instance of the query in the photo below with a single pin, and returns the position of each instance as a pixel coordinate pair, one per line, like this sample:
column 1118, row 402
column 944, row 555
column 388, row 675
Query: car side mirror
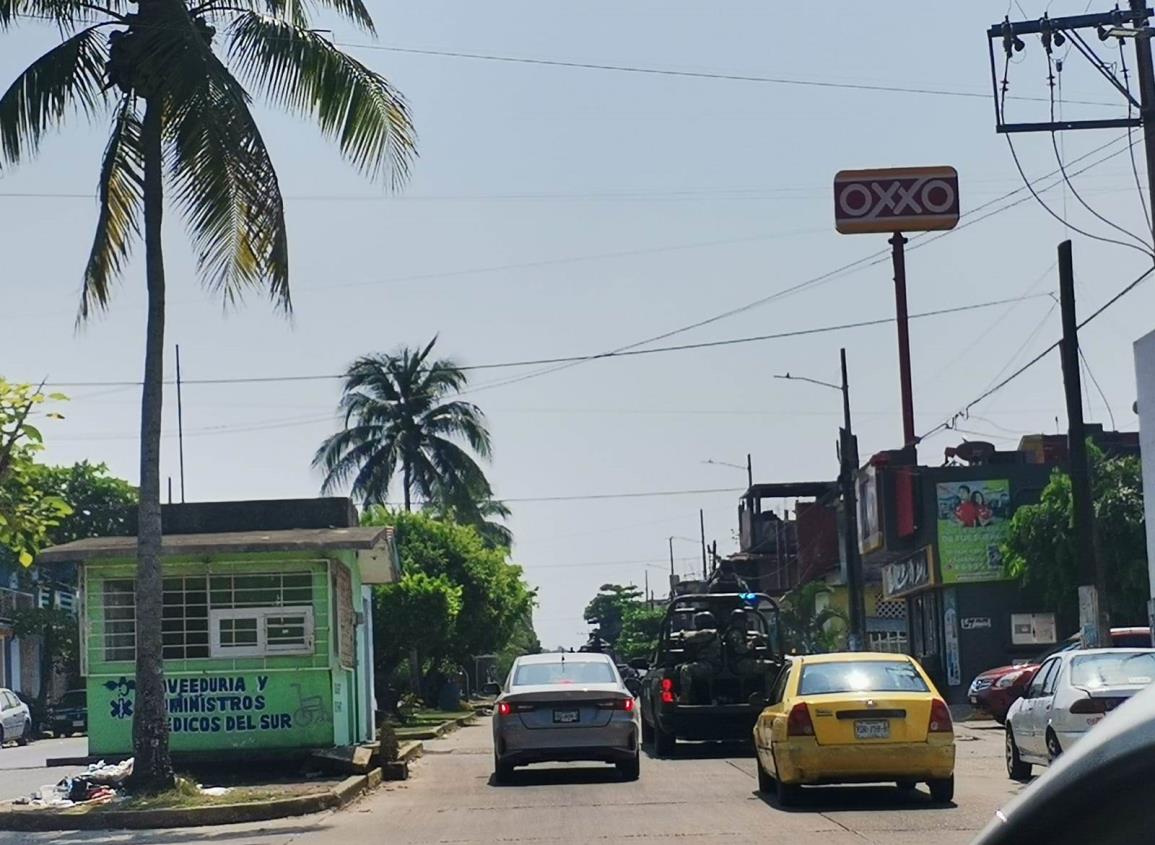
column 640, row 663
column 634, row 686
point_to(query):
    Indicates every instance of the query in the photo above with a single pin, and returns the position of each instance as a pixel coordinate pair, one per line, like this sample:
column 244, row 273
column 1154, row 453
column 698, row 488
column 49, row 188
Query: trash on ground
column 98, row 784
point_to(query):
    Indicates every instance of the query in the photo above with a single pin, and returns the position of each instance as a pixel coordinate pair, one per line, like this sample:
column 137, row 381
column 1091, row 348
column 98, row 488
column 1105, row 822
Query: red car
column 995, row 690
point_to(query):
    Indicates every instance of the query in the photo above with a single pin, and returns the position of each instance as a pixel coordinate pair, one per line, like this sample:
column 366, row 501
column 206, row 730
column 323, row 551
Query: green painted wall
column 267, row 702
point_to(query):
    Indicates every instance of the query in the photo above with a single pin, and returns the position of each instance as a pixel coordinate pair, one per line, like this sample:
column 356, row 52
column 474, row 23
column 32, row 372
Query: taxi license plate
column 566, row 717
column 872, row 729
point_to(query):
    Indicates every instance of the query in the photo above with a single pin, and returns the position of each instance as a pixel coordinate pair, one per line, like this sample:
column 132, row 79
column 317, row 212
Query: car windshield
column 73, row 699
column 564, row 672
column 860, row 676
column 1113, row 669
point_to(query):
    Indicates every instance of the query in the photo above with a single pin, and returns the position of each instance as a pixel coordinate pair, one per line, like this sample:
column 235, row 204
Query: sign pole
column 898, row 256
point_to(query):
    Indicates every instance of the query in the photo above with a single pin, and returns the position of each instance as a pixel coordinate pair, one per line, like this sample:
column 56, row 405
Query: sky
column 561, row 210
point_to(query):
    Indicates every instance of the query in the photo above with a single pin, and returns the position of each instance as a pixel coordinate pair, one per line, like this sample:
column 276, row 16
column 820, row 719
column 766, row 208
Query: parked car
column 70, row 714
column 1069, row 695
column 855, row 718
column 565, row 707
column 15, row 719
column 995, row 690
column 1093, row 793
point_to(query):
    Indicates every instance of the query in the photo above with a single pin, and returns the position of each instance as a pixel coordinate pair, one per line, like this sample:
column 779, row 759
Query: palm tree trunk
column 414, row 655
column 152, row 769
column 406, row 481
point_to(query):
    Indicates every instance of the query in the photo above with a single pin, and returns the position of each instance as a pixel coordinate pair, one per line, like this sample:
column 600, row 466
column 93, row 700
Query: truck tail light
column 940, row 721
column 668, row 696
column 798, row 723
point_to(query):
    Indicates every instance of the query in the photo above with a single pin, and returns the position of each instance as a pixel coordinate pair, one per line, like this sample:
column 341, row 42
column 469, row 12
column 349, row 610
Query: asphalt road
column 707, row 794
column 22, row 769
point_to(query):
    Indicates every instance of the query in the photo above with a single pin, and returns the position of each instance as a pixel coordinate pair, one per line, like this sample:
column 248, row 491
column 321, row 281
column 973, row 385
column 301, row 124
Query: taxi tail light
column 1085, row 706
column 940, row 721
column 798, row 723
column 668, row 696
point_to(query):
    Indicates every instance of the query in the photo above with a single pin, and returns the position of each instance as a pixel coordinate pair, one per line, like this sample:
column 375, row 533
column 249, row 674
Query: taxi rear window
column 860, row 676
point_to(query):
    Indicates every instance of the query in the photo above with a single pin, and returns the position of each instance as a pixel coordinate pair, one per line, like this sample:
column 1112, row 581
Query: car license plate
column 566, row 717
column 78, row 723
column 974, row 699
column 872, row 729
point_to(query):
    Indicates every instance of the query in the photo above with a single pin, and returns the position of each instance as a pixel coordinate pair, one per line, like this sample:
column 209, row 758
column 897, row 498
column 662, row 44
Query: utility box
column 267, row 630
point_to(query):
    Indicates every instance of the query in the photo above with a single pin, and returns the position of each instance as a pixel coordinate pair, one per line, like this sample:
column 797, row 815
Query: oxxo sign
column 900, row 199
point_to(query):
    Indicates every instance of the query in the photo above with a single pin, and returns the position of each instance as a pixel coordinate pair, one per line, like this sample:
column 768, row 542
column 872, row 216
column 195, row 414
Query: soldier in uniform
column 704, row 646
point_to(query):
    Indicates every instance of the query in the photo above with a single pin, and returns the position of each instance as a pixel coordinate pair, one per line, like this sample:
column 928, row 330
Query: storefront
column 266, row 637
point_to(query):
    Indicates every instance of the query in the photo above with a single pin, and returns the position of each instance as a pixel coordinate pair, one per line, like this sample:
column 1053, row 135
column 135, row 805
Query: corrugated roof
column 293, row 540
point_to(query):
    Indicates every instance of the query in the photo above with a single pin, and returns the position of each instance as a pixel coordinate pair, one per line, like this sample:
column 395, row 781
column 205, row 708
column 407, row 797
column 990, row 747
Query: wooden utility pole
column 1089, row 567
column 848, row 458
column 702, row 529
column 1146, row 92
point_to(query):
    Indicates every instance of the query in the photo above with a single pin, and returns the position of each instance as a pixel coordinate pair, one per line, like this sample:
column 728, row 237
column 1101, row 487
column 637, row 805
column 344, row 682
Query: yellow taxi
column 858, row 717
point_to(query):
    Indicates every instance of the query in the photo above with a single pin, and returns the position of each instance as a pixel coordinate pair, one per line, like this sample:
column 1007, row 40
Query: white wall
column 1145, row 383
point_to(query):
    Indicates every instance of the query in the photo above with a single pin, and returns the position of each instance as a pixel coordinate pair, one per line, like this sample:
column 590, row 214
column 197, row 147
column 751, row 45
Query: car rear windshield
column 860, row 676
column 73, row 699
column 1113, row 669
column 564, row 672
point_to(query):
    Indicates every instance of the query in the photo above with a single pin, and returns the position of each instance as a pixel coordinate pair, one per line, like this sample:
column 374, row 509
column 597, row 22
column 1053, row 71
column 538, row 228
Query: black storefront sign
column 910, row 575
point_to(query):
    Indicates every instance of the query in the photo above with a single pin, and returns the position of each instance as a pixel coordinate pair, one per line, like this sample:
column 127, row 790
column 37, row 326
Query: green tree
column 418, row 611
column 494, row 598
column 176, row 105
column 27, row 514
column 608, row 609
column 805, row 628
column 1040, row 544
column 399, row 418
column 59, row 643
column 640, row 627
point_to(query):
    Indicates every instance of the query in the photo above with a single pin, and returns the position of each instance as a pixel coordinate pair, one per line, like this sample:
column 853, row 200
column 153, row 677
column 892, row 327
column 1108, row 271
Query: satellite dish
column 975, row 451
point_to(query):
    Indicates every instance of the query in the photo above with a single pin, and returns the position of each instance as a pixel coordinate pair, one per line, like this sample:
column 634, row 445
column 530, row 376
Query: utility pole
column 749, row 472
column 702, row 529
column 671, row 539
column 1146, row 90
column 848, row 458
column 1090, row 569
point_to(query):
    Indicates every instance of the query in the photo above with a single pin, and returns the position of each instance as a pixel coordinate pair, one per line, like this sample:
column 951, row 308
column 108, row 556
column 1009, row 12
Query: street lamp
column 848, row 461
column 749, row 466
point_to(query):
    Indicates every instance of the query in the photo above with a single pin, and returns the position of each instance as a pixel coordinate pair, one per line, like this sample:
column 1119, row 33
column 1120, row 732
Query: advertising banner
column 869, row 511
column 973, row 518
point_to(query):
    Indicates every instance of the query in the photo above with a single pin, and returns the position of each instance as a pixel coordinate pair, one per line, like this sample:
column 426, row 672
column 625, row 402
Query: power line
column 710, row 344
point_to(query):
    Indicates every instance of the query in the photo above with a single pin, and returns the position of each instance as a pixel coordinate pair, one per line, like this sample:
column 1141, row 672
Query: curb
column 440, row 730
column 40, row 819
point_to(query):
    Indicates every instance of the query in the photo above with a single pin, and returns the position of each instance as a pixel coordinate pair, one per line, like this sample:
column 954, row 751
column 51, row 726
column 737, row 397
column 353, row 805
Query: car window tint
column 779, row 691
column 1131, row 640
column 1052, row 679
column 10, row 701
column 564, row 672
column 1036, row 687
column 76, row 698
column 1113, row 669
column 860, row 676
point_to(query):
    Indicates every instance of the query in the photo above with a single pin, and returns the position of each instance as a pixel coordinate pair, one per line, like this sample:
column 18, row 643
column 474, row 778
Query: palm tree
column 398, row 418
column 178, row 106
column 477, row 510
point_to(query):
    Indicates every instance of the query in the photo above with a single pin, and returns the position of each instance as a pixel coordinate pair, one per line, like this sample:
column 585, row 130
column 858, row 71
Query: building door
column 926, row 642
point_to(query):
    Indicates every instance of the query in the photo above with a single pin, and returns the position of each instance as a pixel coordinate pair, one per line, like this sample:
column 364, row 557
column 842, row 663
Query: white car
column 1071, row 692
column 15, row 719
column 563, row 707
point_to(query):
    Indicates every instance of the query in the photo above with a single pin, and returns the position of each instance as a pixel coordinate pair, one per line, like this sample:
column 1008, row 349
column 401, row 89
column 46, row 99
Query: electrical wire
column 709, row 344
column 1000, row 106
column 1067, row 179
column 994, row 389
column 1134, row 164
column 1095, row 381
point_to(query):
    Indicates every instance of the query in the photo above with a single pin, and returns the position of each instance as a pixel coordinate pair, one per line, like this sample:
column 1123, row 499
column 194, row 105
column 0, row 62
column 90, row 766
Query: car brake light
column 503, row 708
column 626, row 704
column 798, row 723
column 1085, row 706
column 940, row 721
column 668, row 696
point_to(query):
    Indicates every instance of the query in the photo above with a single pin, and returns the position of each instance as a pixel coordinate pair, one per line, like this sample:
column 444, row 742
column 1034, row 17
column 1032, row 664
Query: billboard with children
column 973, row 518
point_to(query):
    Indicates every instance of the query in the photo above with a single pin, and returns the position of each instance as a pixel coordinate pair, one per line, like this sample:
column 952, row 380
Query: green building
column 267, row 627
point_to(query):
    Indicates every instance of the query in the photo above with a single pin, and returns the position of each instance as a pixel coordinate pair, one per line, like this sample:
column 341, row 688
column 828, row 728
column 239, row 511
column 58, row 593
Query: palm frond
column 121, row 192
column 66, row 14
column 463, row 419
column 302, row 71
column 227, row 186
column 70, row 76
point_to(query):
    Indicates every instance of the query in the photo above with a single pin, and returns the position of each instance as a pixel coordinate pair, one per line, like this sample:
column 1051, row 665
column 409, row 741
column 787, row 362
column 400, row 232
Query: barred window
column 216, row 616
column 119, row 600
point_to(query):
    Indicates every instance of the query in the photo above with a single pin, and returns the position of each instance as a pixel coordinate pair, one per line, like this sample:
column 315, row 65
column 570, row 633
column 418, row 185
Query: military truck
column 718, row 656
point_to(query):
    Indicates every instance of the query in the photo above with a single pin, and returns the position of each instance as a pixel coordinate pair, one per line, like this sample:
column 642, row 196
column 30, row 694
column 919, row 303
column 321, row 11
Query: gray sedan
column 565, row 707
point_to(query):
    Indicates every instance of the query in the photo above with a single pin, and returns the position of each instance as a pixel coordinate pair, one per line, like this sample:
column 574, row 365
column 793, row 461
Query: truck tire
column 664, row 742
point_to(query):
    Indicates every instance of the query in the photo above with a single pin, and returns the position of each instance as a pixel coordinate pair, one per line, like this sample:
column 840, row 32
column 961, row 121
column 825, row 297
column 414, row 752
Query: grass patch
column 187, row 794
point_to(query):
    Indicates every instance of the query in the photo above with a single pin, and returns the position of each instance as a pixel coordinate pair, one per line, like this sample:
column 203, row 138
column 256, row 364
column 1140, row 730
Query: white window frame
column 262, row 647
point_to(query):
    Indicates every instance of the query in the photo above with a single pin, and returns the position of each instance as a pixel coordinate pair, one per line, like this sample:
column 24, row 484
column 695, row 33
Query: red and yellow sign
column 898, row 199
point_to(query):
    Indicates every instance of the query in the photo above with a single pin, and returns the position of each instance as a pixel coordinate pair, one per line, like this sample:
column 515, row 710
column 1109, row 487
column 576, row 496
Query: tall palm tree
column 399, row 419
column 478, row 510
column 178, row 106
